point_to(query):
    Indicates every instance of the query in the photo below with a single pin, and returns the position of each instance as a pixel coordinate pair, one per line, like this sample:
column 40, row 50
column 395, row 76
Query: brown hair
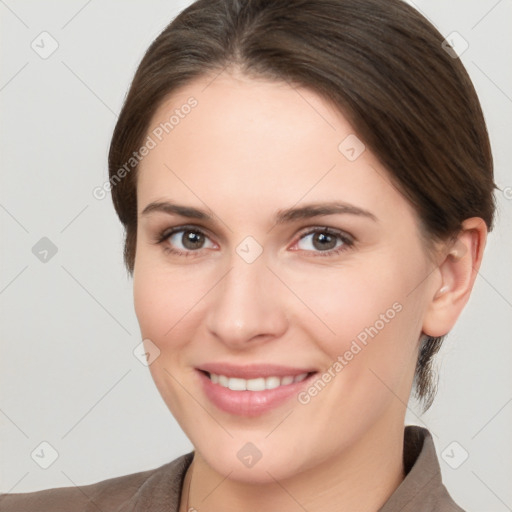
column 379, row 61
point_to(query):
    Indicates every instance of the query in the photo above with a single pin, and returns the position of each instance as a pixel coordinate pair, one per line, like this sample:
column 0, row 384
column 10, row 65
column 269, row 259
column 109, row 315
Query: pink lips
column 250, row 403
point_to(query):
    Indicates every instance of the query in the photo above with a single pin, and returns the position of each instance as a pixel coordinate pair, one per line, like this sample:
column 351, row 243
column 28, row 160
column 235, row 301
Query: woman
column 306, row 189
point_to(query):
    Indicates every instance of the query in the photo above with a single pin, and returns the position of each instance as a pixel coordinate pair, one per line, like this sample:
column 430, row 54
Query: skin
column 251, row 148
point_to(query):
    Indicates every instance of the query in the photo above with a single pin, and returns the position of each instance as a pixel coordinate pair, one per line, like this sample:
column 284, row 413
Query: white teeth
column 237, row 384
column 259, row 384
column 272, row 382
column 256, row 384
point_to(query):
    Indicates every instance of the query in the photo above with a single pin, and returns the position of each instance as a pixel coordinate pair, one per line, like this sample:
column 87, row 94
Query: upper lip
column 253, row 371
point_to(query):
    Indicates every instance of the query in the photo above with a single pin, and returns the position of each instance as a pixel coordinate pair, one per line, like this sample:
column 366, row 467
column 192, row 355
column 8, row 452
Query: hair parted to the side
column 380, row 62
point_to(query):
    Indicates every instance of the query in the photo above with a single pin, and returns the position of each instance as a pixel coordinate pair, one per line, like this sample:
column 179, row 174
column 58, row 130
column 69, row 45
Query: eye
column 325, row 241
column 184, row 240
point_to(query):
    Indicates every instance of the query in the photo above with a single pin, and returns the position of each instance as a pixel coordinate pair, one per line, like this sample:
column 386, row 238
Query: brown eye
column 192, row 239
column 183, row 240
column 325, row 240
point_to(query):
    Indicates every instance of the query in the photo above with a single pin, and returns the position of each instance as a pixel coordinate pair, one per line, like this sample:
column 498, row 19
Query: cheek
column 368, row 318
column 349, row 300
column 164, row 305
column 161, row 301
column 170, row 305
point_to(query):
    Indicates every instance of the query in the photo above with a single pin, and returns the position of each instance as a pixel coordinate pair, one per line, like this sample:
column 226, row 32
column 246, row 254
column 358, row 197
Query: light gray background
column 68, row 329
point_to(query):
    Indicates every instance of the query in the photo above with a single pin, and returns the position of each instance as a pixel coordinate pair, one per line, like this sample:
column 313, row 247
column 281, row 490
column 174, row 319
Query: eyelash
column 348, row 241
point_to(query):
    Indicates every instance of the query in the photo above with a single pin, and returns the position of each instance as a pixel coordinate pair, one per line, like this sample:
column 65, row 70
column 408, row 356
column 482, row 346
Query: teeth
column 272, row 382
column 259, row 384
column 286, row 380
column 237, row 384
column 255, row 384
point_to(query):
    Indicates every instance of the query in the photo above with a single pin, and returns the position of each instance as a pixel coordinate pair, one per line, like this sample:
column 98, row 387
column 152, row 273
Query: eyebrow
column 287, row 215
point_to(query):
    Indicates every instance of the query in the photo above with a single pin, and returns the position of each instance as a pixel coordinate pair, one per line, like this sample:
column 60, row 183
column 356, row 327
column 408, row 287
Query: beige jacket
column 158, row 490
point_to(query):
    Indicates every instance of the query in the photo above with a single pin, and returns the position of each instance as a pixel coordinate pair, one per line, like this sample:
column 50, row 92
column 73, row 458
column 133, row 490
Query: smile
column 258, row 384
column 251, row 390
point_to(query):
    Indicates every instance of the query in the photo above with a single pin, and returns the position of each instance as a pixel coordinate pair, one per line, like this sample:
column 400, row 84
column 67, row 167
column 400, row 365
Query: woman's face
column 262, row 278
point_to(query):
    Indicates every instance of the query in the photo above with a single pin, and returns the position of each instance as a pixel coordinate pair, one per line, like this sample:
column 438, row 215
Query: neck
column 362, row 477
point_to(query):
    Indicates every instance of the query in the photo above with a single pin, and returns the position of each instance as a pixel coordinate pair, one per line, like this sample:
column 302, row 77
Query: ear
column 458, row 269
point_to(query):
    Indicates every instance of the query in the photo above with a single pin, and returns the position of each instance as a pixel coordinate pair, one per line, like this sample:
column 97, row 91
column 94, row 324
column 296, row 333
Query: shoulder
column 129, row 492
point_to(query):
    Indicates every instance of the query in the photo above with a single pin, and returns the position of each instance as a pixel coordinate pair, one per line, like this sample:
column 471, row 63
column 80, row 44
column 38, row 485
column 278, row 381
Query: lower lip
column 249, row 403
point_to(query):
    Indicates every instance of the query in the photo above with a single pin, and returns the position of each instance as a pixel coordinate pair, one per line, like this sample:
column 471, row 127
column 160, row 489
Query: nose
column 246, row 305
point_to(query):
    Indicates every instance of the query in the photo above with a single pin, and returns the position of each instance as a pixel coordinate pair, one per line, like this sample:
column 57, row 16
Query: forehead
column 244, row 139
column 233, row 106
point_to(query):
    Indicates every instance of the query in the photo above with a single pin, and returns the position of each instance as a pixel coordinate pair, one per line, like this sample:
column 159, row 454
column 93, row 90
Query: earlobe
column 460, row 261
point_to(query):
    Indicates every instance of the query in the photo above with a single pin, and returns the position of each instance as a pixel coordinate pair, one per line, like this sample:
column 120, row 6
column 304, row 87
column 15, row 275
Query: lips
column 222, row 385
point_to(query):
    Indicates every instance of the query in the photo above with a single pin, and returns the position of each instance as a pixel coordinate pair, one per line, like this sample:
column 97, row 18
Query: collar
column 421, row 490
